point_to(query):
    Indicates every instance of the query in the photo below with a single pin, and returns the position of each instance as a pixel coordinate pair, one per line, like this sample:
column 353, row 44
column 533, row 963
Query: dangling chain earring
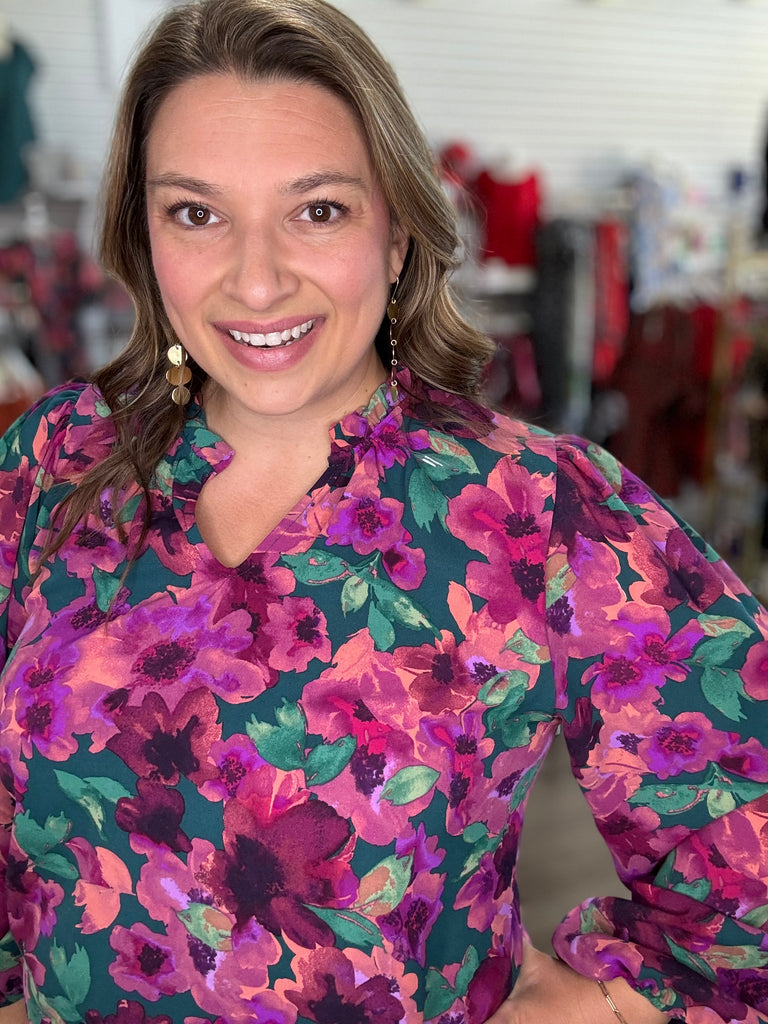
column 179, row 374
column 392, row 311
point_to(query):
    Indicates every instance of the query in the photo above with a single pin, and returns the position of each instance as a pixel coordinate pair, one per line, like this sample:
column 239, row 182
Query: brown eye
column 198, row 215
column 320, row 213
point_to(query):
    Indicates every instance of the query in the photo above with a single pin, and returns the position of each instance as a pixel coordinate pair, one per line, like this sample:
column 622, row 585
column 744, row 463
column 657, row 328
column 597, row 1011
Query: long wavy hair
column 265, row 40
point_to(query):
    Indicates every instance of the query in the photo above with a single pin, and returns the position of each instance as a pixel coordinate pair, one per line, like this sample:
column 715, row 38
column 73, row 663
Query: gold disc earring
column 179, row 374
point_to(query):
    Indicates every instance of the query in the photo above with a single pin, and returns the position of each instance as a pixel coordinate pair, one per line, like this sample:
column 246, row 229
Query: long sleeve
column 27, row 452
column 661, row 662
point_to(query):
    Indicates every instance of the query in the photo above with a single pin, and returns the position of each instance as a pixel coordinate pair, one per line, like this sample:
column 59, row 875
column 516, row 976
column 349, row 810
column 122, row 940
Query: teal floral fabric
column 292, row 791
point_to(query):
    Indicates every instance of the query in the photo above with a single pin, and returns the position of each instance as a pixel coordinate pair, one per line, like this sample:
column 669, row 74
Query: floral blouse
column 291, row 792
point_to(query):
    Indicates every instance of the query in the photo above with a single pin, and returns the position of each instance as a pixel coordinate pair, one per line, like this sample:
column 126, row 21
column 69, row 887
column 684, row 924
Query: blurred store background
column 608, row 159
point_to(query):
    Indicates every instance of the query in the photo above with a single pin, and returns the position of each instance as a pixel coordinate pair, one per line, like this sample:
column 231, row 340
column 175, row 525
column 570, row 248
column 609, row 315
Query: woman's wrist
column 609, row 999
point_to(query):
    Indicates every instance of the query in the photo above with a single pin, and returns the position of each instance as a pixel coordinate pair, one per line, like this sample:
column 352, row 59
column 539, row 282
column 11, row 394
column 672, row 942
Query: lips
column 274, row 339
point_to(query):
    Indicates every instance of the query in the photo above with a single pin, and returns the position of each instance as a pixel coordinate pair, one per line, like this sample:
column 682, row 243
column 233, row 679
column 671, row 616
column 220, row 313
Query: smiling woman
column 291, row 618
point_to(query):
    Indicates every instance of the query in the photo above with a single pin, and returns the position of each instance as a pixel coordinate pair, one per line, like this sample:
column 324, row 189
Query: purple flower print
column 155, row 813
column 45, row 711
column 126, row 1012
column 367, row 522
column 235, row 759
column 264, row 873
column 371, row 523
column 639, row 665
column 159, row 744
column 32, row 900
column 298, row 633
column 755, row 673
column 172, row 649
column 145, row 963
column 686, row 743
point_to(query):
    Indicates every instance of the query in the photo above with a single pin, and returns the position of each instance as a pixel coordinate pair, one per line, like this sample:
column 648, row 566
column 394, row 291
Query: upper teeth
column 286, row 337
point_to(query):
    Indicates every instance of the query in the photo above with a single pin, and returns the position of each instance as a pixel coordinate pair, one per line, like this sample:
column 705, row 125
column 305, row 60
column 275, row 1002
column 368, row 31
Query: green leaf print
column 316, row 567
column 282, row 745
column 74, row 974
column 516, row 730
column 354, row 594
column 450, row 458
column 352, row 928
column 89, row 793
column 718, row 625
column 384, row 886
column 427, row 501
column 722, row 791
column 465, row 973
column 37, row 841
column 529, row 651
column 757, row 918
column 723, row 689
column 409, row 784
column 327, row 761
column 381, row 629
column 208, row 925
column 504, row 692
column 285, row 746
column 697, row 963
column 106, row 585
column 440, row 994
column 398, row 607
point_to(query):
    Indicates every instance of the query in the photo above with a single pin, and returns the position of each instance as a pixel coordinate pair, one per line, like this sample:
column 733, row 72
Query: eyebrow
column 307, row 183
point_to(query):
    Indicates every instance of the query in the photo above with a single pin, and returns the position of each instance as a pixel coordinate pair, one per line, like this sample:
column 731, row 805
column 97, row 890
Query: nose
column 259, row 273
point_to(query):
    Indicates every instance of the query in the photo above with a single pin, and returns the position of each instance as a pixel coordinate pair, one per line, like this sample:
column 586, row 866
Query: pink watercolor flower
column 298, row 633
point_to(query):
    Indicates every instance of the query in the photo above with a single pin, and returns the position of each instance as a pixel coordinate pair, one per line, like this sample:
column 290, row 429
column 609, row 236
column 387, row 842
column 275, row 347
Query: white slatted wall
column 578, row 88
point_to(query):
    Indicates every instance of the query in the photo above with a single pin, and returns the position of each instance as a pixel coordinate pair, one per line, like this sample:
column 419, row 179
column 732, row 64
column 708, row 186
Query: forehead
column 266, row 122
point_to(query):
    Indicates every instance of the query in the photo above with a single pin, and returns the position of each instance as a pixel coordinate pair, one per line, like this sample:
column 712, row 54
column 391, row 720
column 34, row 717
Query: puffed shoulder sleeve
column 661, row 662
column 30, row 452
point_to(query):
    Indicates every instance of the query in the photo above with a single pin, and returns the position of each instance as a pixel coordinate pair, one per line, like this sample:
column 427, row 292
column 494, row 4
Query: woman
column 291, row 620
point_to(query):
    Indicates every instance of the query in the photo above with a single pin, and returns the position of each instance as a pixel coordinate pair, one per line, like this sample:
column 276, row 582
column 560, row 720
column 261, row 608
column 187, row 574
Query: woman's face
column 272, row 246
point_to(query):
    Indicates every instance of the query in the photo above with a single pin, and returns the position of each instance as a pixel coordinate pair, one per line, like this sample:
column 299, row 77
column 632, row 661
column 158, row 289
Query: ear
column 400, row 241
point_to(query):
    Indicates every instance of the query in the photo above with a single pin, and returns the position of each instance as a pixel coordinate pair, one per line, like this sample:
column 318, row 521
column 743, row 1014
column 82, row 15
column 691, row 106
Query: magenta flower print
column 641, row 662
column 264, row 873
column 488, row 988
column 371, row 523
column 170, row 649
column 686, row 743
column 347, row 986
column 408, row 927
column 298, row 633
column 155, row 813
column 32, row 900
column 235, row 759
column 156, row 743
column 679, row 575
column 440, row 679
column 755, row 673
column 46, row 713
column 145, row 962
column 362, row 695
column 127, row 1011
column 368, row 523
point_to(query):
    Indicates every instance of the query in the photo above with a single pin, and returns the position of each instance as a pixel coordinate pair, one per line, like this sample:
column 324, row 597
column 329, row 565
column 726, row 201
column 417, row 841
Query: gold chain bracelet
column 619, row 1015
